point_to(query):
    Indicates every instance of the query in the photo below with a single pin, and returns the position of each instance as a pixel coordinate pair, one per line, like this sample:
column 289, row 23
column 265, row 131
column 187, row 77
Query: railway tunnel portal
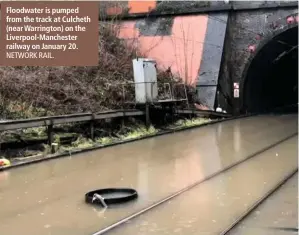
column 270, row 78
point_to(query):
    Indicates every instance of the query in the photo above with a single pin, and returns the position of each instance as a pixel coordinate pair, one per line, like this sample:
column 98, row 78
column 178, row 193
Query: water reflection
column 155, row 167
column 215, row 204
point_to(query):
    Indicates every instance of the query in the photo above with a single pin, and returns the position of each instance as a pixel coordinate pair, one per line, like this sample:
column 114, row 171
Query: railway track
column 158, row 167
column 227, row 230
column 118, row 224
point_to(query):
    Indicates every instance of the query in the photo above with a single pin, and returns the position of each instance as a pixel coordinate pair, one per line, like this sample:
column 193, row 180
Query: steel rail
column 54, row 120
column 258, row 202
column 83, row 117
column 136, row 214
column 202, row 112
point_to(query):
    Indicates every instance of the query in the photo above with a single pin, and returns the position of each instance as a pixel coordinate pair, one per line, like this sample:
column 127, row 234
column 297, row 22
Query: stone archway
column 270, row 77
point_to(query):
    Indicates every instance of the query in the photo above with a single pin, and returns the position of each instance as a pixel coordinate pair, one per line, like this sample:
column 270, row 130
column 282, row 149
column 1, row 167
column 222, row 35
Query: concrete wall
column 133, row 7
column 174, row 42
column 191, row 46
column 207, row 79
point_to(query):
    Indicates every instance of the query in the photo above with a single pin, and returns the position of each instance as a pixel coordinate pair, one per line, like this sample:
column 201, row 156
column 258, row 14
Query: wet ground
column 48, row 198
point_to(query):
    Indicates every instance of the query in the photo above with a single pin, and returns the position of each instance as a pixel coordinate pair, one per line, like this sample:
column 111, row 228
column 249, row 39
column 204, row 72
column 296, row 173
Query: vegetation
column 191, row 122
column 140, row 131
column 105, row 140
column 66, row 90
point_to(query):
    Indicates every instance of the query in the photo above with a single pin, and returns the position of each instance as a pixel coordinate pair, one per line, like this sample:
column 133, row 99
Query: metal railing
column 54, row 120
column 49, row 122
column 167, row 94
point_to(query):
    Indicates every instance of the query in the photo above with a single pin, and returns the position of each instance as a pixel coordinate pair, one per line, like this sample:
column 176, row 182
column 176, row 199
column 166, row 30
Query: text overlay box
column 49, row 34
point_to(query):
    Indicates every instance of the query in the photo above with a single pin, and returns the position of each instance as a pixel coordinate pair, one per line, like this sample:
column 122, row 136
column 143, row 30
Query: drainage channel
column 143, row 211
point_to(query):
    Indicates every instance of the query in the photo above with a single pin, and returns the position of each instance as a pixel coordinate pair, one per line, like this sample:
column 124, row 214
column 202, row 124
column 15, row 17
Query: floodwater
column 214, row 205
column 48, row 198
column 276, row 216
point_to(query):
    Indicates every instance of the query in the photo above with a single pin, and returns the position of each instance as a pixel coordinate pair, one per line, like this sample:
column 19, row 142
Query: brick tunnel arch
column 270, row 78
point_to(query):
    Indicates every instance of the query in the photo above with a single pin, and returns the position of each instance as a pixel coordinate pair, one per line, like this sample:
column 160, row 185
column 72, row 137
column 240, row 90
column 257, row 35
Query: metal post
column 91, row 126
column 171, row 85
column 122, row 123
column 152, row 91
column 92, row 129
column 123, row 100
column 186, row 95
column 50, row 134
column 1, row 140
column 147, row 116
column 173, row 108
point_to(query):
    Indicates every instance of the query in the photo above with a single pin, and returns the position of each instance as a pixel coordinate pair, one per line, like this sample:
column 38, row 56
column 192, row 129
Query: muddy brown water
column 48, row 198
column 278, row 215
column 214, row 205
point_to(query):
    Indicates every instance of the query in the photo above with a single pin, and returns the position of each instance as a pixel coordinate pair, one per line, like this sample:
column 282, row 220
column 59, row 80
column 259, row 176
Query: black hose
column 126, row 194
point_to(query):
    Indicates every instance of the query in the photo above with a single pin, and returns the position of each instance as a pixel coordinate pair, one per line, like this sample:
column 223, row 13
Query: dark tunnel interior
column 272, row 77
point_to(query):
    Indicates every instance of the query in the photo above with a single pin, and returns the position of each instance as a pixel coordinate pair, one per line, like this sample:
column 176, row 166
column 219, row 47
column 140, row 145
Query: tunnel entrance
column 271, row 79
